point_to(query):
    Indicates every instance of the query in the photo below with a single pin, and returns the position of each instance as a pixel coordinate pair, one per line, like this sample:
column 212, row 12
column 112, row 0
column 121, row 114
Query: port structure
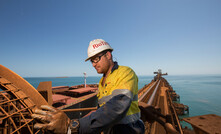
column 14, row 111
column 158, row 94
column 18, row 100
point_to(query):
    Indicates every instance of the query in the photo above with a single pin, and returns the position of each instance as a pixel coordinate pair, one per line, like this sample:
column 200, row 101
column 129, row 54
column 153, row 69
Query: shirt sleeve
column 127, row 80
column 114, row 109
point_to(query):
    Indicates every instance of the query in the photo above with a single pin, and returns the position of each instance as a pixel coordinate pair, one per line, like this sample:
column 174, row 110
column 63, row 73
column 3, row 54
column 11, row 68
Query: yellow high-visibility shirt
column 121, row 80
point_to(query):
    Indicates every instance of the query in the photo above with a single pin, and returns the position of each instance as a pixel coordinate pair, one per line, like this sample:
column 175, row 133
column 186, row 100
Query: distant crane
column 159, row 74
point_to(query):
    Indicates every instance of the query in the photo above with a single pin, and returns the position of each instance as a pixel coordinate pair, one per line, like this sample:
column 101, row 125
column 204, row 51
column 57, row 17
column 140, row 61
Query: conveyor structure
column 18, row 99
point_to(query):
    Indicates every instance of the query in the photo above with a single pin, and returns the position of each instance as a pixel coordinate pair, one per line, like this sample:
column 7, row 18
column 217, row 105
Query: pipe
column 150, row 101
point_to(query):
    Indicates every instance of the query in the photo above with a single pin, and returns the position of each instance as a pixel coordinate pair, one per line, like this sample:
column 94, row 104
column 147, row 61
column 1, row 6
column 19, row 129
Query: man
column 118, row 111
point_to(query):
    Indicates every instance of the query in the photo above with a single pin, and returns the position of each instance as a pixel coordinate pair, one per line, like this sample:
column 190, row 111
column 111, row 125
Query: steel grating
column 17, row 100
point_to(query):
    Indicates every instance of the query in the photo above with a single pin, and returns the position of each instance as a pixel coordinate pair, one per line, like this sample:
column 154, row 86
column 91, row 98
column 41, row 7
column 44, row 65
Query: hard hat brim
column 88, row 59
column 98, row 53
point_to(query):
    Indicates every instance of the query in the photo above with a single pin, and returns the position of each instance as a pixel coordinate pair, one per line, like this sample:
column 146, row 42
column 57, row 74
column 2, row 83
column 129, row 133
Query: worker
column 118, row 111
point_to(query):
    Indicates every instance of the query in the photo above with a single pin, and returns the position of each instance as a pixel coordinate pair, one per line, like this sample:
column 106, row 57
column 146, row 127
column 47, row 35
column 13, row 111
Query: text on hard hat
column 99, row 44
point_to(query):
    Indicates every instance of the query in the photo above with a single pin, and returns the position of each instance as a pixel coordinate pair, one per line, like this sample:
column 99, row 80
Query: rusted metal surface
column 155, row 94
column 175, row 119
column 147, row 92
column 181, row 108
column 60, row 98
column 70, row 104
column 45, row 89
column 15, row 109
column 19, row 98
column 23, row 85
column 83, row 90
column 205, row 124
column 80, row 109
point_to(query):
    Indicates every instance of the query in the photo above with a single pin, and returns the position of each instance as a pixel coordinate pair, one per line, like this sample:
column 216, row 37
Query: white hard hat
column 96, row 46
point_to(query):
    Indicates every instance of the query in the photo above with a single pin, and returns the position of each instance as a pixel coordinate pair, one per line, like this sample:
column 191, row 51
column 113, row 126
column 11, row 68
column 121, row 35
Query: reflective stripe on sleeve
column 126, row 92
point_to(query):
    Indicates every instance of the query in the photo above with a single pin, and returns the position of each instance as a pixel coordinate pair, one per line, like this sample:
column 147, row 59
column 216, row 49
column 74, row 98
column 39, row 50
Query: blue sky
column 50, row 37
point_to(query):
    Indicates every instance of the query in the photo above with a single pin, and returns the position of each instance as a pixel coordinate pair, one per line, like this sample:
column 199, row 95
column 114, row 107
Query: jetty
column 18, row 99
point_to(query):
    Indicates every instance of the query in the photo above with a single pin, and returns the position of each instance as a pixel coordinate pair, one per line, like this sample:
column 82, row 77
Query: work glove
column 52, row 120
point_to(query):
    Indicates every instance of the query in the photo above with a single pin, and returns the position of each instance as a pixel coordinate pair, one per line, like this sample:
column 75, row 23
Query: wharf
column 19, row 99
column 160, row 94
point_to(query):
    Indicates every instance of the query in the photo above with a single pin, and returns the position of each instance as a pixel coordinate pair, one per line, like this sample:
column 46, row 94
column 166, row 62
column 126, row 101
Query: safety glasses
column 97, row 59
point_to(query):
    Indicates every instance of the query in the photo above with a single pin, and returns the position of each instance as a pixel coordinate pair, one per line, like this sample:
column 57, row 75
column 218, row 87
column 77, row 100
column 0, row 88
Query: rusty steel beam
column 13, row 100
column 22, row 84
column 18, row 110
column 205, row 124
column 18, row 99
column 144, row 95
column 157, row 97
column 26, row 123
column 79, row 109
column 150, row 101
column 175, row 113
column 45, row 89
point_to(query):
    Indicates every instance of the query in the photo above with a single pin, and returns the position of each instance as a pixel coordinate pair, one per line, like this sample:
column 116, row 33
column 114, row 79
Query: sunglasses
column 97, row 59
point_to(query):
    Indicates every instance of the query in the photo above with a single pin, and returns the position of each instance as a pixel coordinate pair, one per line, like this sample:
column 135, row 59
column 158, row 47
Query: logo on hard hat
column 99, row 44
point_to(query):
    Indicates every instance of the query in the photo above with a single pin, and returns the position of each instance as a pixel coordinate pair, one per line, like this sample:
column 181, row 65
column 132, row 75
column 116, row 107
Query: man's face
column 99, row 62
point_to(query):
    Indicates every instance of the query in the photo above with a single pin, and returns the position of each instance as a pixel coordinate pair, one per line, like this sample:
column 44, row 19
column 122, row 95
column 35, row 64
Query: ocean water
column 202, row 93
column 70, row 81
column 66, row 81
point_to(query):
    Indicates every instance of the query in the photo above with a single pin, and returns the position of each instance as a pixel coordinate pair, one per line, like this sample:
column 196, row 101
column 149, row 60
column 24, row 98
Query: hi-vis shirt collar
column 114, row 67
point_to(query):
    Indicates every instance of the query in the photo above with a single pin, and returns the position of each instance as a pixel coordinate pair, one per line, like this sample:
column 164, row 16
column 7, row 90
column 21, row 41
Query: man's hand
column 52, row 119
